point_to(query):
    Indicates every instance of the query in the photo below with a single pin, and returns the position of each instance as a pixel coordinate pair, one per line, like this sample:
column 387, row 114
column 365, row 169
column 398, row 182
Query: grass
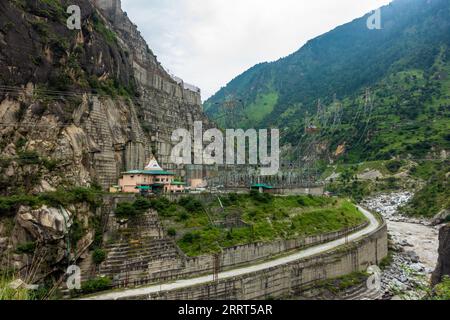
column 255, row 218
column 263, row 106
column 344, row 283
column 387, row 261
column 435, row 195
column 441, row 291
column 96, row 285
column 109, row 36
column 62, row 197
column 7, row 293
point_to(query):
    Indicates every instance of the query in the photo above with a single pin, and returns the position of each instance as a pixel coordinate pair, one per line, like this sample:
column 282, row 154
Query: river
column 414, row 245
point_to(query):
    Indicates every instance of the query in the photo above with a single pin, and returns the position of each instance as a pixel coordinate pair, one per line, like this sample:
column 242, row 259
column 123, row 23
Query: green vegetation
column 96, row 285
column 65, row 197
column 387, row 261
column 406, row 67
column 26, row 248
column 138, row 207
column 76, row 232
column 205, row 227
column 101, row 28
column 7, row 293
column 172, row 232
column 98, row 256
column 62, row 197
column 394, row 166
column 442, row 290
column 434, row 196
column 52, row 9
column 70, row 71
column 110, row 87
column 341, row 284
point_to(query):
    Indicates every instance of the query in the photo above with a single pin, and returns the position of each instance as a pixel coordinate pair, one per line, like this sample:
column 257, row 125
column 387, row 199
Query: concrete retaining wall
column 250, row 253
column 289, row 279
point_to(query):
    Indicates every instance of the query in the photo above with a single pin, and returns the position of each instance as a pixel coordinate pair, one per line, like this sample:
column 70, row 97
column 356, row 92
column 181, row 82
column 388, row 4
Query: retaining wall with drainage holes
column 288, row 279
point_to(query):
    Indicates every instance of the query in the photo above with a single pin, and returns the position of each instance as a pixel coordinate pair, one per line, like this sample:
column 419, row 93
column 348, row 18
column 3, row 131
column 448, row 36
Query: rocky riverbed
column 414, row 246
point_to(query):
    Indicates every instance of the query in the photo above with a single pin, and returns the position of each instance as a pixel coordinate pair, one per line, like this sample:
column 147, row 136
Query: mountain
column 77, row 108
column 382, row 93
column 91, row 102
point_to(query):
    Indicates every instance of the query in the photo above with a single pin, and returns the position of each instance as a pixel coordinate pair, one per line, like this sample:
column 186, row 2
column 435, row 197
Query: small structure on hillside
column 153, row 179
column 262, row 188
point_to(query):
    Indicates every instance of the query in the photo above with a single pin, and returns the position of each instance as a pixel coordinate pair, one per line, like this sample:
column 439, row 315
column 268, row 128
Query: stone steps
column 142, row 254
column 363, row 293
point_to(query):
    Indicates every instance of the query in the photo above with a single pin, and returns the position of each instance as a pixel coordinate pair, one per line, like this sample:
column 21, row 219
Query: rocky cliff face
column 167, row 103
column 90, row 102
column 77, row 107
column 443, row 265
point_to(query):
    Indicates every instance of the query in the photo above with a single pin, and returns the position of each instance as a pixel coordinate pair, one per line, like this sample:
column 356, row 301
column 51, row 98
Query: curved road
column 114, row 295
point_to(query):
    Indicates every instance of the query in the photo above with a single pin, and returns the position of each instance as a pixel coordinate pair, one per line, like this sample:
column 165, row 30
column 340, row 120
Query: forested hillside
column 383, row 93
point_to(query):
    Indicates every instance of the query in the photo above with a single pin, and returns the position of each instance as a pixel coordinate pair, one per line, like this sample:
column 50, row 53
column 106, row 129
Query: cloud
column 209, row 42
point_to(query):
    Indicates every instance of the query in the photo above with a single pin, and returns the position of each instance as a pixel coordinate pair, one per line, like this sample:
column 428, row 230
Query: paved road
column 373, row 225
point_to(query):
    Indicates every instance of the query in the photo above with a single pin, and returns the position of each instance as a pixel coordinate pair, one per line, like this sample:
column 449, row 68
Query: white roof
column 153, row 165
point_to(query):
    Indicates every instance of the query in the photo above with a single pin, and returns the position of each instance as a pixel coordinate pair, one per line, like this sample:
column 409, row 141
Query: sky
column 209, row 42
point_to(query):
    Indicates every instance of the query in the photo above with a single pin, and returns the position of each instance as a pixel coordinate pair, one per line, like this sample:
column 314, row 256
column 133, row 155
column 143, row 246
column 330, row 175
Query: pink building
column 153, row 179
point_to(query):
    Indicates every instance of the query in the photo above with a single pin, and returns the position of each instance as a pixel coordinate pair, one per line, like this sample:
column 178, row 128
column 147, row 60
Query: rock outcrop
column 45, row 224
column 443, row 265
column 167, row 102
column 91, row 103
column 77, row 108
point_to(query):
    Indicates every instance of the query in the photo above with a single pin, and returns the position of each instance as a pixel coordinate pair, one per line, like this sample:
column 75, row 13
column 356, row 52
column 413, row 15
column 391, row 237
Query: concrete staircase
column 88, row 271
column 141, row 255
column 99, row 129
column 363, row 293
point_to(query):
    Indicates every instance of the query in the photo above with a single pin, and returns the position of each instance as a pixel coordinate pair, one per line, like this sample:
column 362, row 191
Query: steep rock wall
column 94, row 100
column 443, row 265
column 167, row 102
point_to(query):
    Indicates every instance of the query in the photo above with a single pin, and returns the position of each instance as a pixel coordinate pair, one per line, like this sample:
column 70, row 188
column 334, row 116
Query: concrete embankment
column 280, row 277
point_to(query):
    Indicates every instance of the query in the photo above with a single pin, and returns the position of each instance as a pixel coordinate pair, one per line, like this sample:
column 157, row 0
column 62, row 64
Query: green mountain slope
column 406, row 65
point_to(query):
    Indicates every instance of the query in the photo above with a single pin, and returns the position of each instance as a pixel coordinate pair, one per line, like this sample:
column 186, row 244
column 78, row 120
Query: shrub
column 26, row 248
column 76, row 232
column 50, row 164
column 261, row 197
column 183, row 216
column 191, row 204
column 126, row 210
column 442, row 290
column 98, row 256
column 190, row 237
column 142, row 204
column 65, row 197
column 394, row 166
column 138, row 207
column 172, row 232
column 9, row 205
column 387, row 261
column 161, row 205
column 301, row 202
column 96, row 285
column 96, row 222
column 28, row 157
column 21, row 143
column 233, row 198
